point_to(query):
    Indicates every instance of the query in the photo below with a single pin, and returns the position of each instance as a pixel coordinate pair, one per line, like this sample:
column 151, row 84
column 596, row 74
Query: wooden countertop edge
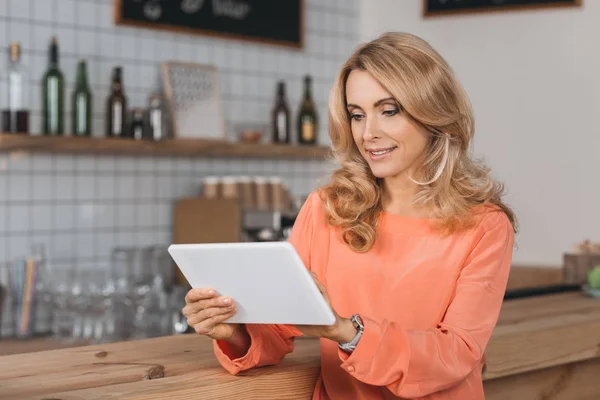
column 547, row 347
column 537, row 334
column 292, row 383
column 542, row 332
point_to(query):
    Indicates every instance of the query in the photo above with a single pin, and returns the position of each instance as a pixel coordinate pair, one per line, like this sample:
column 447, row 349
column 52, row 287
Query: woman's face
column 390, row 140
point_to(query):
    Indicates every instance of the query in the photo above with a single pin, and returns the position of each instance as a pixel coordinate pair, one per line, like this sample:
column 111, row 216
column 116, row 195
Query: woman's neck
column 399, row 195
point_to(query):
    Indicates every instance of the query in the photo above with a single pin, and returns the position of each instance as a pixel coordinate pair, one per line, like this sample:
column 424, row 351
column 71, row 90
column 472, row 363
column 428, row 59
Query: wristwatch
column 351, row 345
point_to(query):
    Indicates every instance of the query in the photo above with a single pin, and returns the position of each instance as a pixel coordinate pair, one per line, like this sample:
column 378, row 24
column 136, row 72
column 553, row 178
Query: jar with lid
column 211, row 187
column 277, row 194
column 263, row 198
column 137, row 124
column 229, row 188
column 246, row 191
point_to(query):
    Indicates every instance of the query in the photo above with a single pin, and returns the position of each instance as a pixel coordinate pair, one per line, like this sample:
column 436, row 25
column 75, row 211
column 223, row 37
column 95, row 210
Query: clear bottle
column 157, row 124
column 15, row 118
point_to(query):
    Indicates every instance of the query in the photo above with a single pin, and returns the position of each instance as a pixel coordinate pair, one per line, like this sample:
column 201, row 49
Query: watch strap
column 351, row 345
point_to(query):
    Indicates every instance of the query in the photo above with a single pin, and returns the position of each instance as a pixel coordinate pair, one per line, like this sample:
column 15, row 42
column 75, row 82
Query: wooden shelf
column 172, row 148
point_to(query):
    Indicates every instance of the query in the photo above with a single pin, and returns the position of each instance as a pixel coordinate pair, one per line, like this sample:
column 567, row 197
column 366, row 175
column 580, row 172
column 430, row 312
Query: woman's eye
column 390, row 113
column 356, row 117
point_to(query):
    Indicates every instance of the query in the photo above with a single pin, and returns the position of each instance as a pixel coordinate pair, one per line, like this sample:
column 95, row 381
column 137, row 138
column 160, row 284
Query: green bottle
column 308, row 127
column 53, row 88
column 82, row 103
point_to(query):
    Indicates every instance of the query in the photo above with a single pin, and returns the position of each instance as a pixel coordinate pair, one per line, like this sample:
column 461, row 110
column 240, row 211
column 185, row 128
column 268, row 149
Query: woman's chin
column 383, row 172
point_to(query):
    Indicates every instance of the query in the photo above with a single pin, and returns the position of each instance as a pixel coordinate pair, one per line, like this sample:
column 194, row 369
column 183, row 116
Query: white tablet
column 267, row 280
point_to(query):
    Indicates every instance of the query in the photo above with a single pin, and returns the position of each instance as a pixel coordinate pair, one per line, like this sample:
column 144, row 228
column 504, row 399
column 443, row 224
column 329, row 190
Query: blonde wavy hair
column 426, row 89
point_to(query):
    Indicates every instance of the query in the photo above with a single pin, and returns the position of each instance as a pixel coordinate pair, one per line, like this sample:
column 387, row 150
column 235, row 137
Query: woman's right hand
column 206, row 313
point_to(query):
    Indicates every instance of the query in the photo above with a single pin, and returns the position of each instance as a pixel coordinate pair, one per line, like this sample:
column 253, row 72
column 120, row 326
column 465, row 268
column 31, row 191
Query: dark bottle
column 15, row 119
column 82, row 103
column 308, row 127
column 53, row 93
column 116, row 107
column 281, row 117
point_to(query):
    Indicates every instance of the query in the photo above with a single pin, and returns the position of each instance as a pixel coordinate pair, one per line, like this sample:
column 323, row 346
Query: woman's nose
column 370, row 131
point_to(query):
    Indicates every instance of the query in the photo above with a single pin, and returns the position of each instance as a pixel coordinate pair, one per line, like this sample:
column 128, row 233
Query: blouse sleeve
column 415, row 363
column 269, row 344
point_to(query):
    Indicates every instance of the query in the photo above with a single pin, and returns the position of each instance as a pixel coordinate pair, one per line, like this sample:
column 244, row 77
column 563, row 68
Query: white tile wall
column 82, row 206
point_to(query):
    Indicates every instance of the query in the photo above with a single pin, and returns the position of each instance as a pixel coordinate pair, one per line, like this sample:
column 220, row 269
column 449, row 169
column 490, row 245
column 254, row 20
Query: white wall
column 533, row 78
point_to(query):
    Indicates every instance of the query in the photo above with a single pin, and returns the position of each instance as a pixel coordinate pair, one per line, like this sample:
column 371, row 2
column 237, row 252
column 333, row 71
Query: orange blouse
column 429, row 303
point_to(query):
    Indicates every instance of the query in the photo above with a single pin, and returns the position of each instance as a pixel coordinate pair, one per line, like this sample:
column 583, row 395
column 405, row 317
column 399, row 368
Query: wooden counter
column 543, row 348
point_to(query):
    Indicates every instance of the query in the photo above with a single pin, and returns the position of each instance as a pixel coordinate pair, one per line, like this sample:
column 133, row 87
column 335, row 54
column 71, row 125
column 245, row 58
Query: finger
column 200, row 317
column 208, row 325
column 321, row 287
column 205, row 314
column 199, row 294
column 195, row 307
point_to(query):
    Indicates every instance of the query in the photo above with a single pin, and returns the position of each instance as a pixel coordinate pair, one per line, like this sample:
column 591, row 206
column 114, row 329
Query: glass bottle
column 157, row 126
column 116, row 107
column 281, row 117
column 307, row 117
column 53, row 94
column 82, row 103
column 15, row 118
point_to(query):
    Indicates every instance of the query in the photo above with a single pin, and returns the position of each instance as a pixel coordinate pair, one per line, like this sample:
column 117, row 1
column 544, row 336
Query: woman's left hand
column 341, row 331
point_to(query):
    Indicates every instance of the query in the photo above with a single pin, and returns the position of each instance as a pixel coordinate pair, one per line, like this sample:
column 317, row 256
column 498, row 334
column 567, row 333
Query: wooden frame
column 169, row 95
column 503, row 8
column 120, row 20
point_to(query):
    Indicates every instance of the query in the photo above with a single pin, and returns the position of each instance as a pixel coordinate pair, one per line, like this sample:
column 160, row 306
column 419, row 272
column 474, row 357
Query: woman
column 410, row 241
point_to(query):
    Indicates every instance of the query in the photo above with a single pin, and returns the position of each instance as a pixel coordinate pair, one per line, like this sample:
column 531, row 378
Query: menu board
column 271, row 21
column 435, row 7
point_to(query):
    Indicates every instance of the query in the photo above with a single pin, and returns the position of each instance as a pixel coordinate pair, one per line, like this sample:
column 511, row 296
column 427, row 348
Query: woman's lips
column 380, row 153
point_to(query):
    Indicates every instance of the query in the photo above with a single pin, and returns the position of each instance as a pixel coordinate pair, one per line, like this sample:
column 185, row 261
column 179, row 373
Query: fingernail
column 211, row 292
column 226, row 301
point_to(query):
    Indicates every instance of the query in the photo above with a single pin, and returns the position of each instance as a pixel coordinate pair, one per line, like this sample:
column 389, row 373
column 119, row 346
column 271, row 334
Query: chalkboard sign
column 440, row 7
column 271, row 21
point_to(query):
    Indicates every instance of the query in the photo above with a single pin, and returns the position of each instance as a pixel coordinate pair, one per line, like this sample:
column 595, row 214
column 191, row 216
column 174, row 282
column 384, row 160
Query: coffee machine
column 267, row 226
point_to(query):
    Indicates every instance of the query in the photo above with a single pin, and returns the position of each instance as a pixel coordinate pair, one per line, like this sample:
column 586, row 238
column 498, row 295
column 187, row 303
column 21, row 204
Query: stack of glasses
column 132, row 297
